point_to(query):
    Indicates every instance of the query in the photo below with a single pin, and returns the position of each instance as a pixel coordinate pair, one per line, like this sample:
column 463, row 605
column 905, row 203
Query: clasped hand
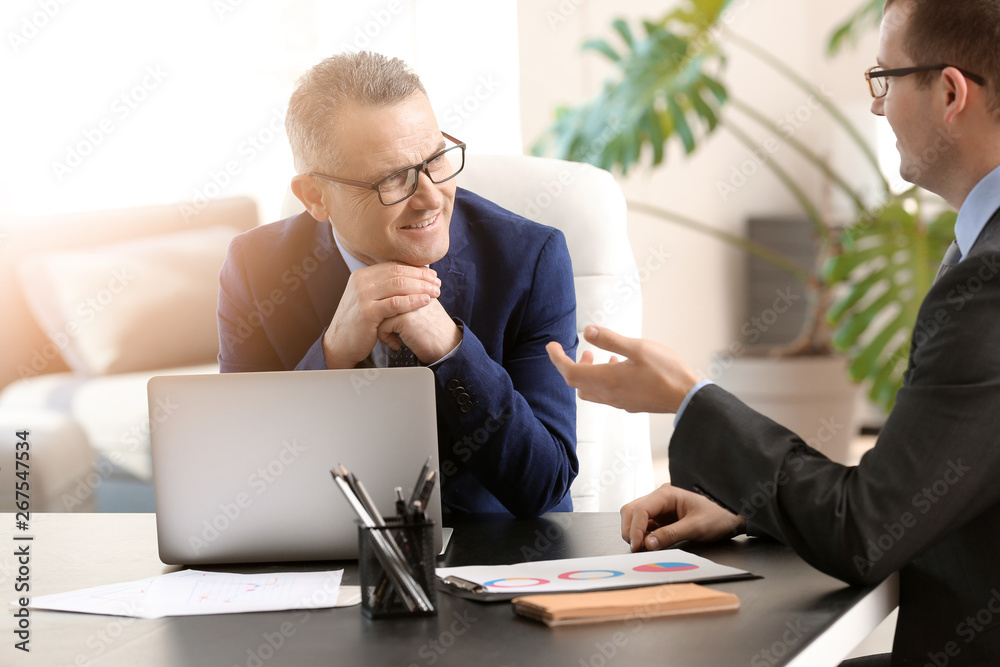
column 391, row 302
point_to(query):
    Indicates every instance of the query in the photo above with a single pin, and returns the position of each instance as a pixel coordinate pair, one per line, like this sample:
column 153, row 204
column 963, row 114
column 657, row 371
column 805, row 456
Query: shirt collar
column 979, row 207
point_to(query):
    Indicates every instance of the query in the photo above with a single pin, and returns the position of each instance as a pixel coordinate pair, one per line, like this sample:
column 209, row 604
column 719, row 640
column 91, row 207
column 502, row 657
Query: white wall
column 694, row 303
column 170, row 94
column 114, row 103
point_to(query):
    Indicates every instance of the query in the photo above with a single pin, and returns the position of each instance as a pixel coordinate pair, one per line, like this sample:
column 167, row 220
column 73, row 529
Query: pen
column 415, row 495
column 425, row 491
column 411, row 593
column 401, row 503
column 465, row 584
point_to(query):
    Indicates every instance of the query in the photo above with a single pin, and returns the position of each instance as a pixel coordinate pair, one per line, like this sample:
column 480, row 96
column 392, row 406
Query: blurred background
column 115, row 104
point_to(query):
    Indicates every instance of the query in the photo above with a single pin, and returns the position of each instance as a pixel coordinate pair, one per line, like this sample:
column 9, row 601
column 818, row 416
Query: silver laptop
column 241, row 464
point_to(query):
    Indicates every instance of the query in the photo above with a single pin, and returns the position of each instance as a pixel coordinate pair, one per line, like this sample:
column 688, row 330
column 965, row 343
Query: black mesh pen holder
column 396, row 564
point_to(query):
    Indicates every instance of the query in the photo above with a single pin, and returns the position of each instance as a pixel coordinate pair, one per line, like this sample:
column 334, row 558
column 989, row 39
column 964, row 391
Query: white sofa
column 97, row 303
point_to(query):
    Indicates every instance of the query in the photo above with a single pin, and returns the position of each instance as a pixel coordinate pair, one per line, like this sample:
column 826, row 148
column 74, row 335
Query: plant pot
column 811, row 396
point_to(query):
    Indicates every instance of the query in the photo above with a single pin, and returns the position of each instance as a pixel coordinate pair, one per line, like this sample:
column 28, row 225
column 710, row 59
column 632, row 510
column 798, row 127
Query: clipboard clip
column 465, row 584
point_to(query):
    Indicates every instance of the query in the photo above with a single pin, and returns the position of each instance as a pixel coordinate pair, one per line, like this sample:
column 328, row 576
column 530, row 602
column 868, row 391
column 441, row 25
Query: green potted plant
column 871, row 272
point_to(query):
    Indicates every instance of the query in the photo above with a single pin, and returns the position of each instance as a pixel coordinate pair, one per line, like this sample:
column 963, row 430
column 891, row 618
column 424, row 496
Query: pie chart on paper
column 665, row 567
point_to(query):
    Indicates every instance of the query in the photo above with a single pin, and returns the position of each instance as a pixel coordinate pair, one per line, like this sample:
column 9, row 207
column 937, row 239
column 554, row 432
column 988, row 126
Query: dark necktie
column 402, row 357
column 951, row 258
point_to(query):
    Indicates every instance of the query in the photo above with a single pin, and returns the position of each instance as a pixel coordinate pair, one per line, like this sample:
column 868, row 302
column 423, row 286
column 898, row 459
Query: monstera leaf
column 887, row 263
column 861, row 21
column 665, row 86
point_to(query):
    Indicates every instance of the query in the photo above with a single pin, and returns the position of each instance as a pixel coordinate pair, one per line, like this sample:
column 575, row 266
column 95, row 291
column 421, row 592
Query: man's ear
column 305, row 189
column 956, row 87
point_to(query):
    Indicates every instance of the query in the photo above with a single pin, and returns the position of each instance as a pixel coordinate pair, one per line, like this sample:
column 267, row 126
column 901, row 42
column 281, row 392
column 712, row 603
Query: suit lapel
column 457, row 274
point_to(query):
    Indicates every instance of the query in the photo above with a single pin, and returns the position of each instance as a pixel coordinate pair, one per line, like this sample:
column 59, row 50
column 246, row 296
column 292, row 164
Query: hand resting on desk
column 670, row 515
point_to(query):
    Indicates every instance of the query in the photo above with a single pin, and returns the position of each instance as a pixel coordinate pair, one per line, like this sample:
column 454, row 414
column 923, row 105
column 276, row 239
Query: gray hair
column 314, row 109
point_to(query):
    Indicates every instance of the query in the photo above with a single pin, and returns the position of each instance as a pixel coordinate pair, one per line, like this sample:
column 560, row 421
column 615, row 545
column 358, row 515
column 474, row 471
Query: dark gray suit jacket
column 925, row 500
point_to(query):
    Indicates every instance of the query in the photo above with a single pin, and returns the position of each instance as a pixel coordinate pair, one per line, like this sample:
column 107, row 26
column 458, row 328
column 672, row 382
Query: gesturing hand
column 653, row 378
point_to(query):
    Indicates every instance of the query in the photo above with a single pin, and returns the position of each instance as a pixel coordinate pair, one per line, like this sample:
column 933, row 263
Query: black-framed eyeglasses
column 399, row 185
column 878, row 78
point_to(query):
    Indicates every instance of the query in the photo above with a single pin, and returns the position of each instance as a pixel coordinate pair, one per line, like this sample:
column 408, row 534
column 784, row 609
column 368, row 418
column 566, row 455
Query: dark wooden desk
column 794, row 616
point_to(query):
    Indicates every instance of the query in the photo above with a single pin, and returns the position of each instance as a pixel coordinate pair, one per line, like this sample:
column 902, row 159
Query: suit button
column 467, row 407
column 463, row 399
column 453, row 384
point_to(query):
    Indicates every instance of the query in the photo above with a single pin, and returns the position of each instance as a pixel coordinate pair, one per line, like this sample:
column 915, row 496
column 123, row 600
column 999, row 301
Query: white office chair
column 587, row 205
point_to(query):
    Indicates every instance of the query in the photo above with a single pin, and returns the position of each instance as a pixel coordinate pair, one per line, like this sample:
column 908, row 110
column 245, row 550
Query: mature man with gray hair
column 393, row 264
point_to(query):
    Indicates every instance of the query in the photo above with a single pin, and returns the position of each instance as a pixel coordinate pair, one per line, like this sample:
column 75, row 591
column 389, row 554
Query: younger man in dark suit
column 927, row 496
column 392, row 264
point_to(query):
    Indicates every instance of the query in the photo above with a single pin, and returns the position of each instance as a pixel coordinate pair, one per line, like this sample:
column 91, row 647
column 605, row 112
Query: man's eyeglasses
column 878, row 78
column 401, row 184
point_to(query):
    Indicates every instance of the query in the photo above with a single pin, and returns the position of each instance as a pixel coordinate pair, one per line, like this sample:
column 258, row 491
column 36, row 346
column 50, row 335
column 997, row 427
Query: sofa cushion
column 137, row 305
column 112, row 411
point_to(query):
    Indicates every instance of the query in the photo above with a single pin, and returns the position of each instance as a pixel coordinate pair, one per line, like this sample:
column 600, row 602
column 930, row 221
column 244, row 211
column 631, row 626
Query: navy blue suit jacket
column 507, row 282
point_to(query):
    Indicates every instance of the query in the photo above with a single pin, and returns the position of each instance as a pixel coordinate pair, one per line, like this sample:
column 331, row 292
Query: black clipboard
column 472, row 591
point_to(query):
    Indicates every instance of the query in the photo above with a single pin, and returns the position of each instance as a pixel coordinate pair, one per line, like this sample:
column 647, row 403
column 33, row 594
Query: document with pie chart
column 672, row 566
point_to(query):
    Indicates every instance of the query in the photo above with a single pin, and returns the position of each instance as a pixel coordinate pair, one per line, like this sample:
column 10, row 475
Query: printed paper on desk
column 645, row 568
column 194, row 592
